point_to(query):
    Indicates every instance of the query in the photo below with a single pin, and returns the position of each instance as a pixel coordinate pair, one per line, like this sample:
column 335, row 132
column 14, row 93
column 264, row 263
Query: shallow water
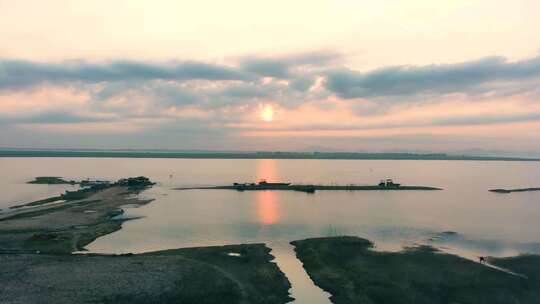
column 487, row 223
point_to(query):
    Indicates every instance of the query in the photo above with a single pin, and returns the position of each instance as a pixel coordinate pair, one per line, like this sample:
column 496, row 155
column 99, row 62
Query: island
column 51, row 180
column 38, row 242
column 514, row 190
column 352, row 272
column 384, row 185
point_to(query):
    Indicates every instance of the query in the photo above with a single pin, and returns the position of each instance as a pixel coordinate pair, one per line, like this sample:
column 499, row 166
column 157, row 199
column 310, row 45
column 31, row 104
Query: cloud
column 280, row 67
column 18, row 73
column 15, row 74
column 302, row 83
column 172, row 95
column 212, row 95
column 267, row 67
column 487, row 119
column 247, row 90
column 129, row 84
column 56, row 117
column 467, row 78
column 194, row 99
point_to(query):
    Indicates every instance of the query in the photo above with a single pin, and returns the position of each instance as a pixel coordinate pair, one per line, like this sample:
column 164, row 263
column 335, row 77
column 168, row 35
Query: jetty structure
column 386, row 184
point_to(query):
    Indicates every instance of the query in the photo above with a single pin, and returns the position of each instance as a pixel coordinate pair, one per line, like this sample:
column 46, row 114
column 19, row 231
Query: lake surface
column 486, row 223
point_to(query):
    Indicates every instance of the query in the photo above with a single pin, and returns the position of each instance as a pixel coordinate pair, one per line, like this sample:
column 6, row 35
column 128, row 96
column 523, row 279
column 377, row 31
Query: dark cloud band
column 17, row 73
column 467, row 77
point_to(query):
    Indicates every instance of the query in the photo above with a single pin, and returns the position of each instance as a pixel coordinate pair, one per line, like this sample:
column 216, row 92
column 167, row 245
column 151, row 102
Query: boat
column 388, row 183
column 263, row 182
column 261, row 185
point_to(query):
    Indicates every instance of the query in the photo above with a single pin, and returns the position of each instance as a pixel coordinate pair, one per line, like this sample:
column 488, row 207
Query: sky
column 344, row 75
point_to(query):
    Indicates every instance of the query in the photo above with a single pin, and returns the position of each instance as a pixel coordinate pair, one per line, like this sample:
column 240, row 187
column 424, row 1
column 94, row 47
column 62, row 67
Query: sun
column 267, row 113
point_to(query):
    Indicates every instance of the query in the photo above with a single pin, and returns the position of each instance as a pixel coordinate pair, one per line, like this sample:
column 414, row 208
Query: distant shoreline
column 254, row 155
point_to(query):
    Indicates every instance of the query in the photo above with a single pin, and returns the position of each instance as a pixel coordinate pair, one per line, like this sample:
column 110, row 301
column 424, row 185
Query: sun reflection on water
column 267, row 205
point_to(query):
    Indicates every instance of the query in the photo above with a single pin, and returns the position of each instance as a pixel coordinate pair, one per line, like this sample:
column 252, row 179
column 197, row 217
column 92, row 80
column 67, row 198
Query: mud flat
column 514, row 190
column 51, row 180
column 192, row 275
column 347, row 268
column 67, row 223
column 66, row 226
column 313, row 188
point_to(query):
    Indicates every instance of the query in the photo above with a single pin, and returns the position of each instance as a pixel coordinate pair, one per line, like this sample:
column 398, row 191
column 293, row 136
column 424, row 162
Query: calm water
column 487, row 223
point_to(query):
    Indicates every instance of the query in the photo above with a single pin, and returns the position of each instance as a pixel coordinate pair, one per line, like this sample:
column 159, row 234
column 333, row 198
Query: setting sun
column 267, row 113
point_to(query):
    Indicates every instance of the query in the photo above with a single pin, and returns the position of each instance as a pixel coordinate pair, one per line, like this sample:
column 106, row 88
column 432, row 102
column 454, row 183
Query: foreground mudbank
column 69, row 222
column 347, row 268
column 227, row 274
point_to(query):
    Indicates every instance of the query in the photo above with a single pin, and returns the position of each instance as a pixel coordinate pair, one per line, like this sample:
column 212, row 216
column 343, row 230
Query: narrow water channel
column 303, row 290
